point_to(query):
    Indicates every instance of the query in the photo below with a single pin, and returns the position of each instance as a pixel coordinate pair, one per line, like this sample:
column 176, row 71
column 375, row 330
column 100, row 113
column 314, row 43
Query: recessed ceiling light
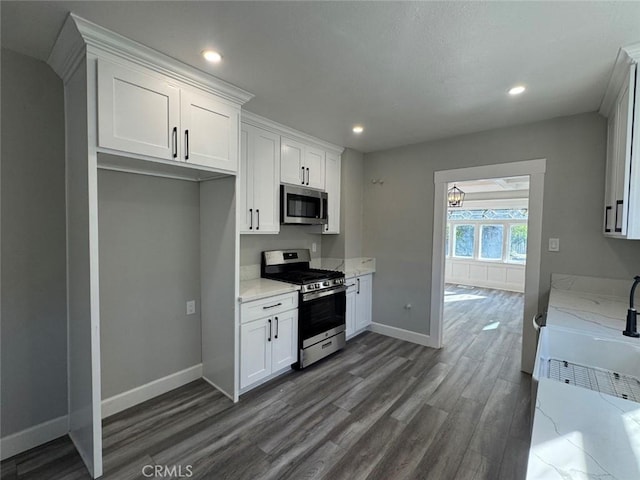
column 358, row 129
column 212, row 56
column 517, row 90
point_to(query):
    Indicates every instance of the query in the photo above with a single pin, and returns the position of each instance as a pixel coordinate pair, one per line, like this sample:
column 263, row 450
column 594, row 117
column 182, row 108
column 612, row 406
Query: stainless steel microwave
column 302, row 206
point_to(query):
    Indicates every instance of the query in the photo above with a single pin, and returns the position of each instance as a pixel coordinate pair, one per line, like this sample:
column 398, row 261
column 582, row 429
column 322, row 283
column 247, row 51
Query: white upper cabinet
column 332, row 182
column 292, row 162
column 622, row 184
column 145, row 114
column 136, row 112
column 210, row 131
column 259, row 175
column 302, row 164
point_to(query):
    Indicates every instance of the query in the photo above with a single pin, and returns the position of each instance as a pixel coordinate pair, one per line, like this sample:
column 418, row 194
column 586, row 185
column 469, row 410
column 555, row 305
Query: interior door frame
column 535, row 169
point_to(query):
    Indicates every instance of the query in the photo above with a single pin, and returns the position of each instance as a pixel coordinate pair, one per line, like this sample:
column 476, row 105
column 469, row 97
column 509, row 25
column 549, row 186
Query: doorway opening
column 534, row 171
column 485, row 262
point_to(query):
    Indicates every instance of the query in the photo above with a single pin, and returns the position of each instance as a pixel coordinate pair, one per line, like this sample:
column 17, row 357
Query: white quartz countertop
column 263, row 288
column 356, row 272
column 589, row 313
column 581, row 434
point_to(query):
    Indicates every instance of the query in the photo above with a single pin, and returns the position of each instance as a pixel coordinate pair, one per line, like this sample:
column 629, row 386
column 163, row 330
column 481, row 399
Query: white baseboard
column 122, row 401
column 402, row 334
column 33, row 436
column 223, row 391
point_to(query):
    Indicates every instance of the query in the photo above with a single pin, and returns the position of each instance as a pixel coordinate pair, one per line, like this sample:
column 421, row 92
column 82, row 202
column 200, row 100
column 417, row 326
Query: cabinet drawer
column 268, row 306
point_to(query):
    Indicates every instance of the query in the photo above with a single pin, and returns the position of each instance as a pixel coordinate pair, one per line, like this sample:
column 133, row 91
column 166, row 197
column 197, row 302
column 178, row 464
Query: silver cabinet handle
column 272, row 306
column 258, row 215
column 302, row 175
column 277, row 327
column 307, row 175
column 251, row 221
column 186, row 150
column 358, row 280
column 269, row 337
column 606, row 218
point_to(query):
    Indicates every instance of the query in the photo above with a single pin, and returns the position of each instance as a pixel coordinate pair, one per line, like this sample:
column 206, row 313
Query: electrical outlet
column 191, row 307
column 314, row 247
column 554, row 244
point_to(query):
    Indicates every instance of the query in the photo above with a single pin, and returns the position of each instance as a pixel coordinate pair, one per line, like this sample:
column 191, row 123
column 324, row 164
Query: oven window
column 301, row 206
column 322, row 314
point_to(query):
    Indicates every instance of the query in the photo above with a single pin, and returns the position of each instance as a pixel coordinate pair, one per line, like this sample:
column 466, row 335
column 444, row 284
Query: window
column 491, row 239
column 490, row 235
column 518, row 243
column 464, row 236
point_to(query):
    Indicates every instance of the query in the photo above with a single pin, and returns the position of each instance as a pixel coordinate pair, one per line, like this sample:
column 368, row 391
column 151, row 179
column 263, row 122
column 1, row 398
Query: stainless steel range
column 322, row 305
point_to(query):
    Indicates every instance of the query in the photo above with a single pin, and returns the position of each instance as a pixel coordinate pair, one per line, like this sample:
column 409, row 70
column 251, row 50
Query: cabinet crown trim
column 279, row 129
column 626, row 57
column 79, row 36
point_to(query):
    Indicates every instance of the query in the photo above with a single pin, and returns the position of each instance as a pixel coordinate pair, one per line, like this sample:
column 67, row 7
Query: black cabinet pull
column 606, row 218
column 269, row 337
column 302, row 175
column 186, row 136
column 272, row 306
column 277, row 327
column 358, row 292
column 251, row 221
column 175, row 142
column 307, row 175
column 258, row 226
column 619, row 203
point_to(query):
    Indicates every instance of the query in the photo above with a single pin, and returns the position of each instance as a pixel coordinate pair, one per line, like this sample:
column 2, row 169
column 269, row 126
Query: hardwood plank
column 402, row 456
column 448, row 392
column 415, row 397
column 316, row 465
column 363, row 456
column 481, row 384
column 443, row 458
column 514, row 461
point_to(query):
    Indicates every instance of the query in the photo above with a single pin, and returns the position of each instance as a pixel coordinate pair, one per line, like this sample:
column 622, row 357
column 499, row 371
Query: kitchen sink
column 603, row 364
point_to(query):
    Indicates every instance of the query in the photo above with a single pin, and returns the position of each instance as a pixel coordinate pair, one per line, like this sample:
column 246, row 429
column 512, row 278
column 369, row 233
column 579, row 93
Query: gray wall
column 398, row 217
column 348, row 244
column 34, row 323
column 290, row 236
column 149, row 268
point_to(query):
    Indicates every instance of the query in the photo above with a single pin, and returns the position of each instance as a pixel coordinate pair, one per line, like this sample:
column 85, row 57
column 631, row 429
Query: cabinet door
column 364, row 287
column 264, row 160
column 314, row 164
column 137, row 113
column 209, row 132
column 255, row 351
column 285, row 340
column 245, row 173
column 332, row 179
column 351, row 312
column 291, row 162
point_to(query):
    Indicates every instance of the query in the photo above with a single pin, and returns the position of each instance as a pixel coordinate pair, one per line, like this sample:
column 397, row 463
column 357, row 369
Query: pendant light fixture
column 455, row 196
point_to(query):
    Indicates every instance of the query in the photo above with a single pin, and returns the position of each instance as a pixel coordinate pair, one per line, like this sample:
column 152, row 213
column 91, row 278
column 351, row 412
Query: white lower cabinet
column 270, row 343
column 359, row 297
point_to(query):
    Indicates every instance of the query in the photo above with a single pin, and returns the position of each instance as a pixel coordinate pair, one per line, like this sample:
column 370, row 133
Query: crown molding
column 79, row 37
column 280, row 129
column 627, row 56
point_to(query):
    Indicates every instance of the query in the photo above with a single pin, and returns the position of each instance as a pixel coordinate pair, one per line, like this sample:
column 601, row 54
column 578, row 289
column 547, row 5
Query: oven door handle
column 323, row 293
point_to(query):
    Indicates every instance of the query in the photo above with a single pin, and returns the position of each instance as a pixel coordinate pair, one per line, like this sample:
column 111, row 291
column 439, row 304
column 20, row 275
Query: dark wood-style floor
column 381, row 409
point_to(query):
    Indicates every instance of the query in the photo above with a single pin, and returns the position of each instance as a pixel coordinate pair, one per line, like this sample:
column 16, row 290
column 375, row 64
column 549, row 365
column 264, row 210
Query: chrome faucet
column 631, row 329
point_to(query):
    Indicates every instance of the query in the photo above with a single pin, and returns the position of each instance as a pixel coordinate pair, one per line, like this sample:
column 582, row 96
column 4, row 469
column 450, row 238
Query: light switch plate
column 554, row 244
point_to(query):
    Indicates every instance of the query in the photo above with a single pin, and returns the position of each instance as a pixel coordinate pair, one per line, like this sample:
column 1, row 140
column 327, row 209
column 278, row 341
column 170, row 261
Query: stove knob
column 311, row 287
column 325, row 284
column 318, row 285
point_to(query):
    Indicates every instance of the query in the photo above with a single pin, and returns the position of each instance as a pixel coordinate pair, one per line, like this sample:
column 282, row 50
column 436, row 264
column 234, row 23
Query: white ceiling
column 407, row 71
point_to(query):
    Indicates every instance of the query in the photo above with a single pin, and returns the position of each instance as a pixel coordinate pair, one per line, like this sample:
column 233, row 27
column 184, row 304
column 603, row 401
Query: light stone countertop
column 258, row 288
column 589, row 305
column 581, row 434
